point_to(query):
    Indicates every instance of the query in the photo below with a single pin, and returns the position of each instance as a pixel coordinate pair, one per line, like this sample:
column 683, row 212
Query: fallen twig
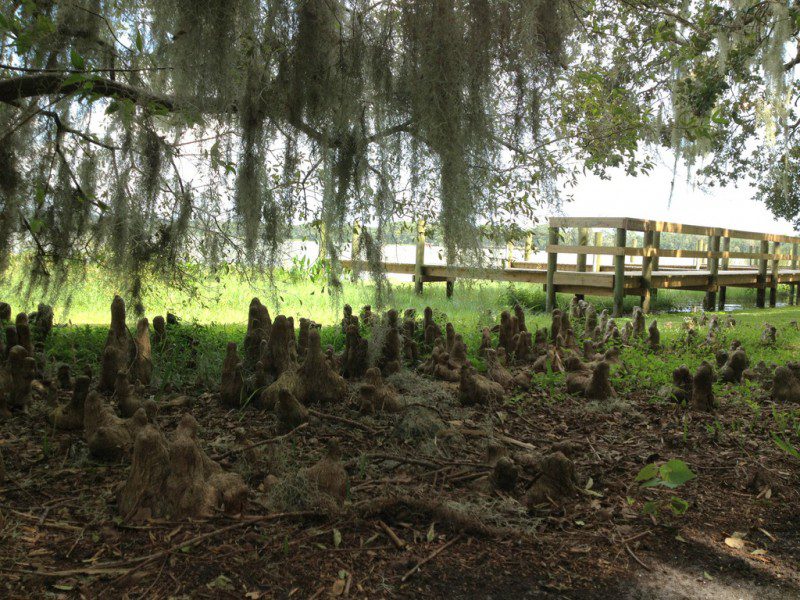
column 636, row 558
column 392, row 535
column 329, row 417
column 431, row 556
column 257, row 444
column 123, row 566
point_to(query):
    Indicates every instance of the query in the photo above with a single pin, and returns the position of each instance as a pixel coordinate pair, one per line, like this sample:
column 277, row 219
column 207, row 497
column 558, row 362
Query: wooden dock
column 770, row 266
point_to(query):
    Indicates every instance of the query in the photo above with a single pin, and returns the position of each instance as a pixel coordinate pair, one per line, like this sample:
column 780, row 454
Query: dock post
column 713, row 273
column 761, row 291
column 619, row 272
column 419, row 261
column 793, row 286
column 773, row 288
column 449, row 285
column 598, row 241
column 647, row 270
column 509, row 255
column 528, row 247
column 552, row 265
column 726, row 247
column 580, row 265
column 657, row 246
column 355, row 247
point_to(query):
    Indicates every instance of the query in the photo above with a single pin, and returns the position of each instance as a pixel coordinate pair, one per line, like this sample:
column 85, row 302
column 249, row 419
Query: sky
column 648, row 197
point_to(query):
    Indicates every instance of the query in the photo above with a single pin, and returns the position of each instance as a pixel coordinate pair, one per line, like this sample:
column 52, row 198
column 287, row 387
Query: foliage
column 144, row 135
column 671, row 475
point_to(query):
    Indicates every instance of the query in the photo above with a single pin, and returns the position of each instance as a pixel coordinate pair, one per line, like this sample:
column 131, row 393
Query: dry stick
column 636, row 558
column 117, row 566
column 502, row 438
column 392, row 535
column 44, row 523
column 431, row 556
column 402, row 459
column 261, row 443
column 329, row 417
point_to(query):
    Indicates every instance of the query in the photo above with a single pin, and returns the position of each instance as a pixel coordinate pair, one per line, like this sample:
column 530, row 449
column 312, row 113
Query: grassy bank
column 223, row 299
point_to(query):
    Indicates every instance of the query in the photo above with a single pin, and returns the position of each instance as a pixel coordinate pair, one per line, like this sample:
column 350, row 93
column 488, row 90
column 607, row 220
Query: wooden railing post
column 761, row 291
column 773, row 288
column 793, row 286
column 619, row 273
column 647, row 270
column 713, row 273
column 509, row 254
column 580, row 263
column 726, row 247
column 657, row 246
column 419, row 261
column 598, row 241
column 552, row 264
column 528, row 247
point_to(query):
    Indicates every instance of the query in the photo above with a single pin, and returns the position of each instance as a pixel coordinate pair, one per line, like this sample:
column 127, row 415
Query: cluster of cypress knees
column 286, row 371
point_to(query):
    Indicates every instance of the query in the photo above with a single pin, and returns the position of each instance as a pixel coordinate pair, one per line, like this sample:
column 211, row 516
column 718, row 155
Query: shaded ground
column 420, row 520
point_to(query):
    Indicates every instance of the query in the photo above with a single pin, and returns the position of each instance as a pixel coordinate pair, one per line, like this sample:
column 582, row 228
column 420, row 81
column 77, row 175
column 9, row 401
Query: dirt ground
column 420, row 520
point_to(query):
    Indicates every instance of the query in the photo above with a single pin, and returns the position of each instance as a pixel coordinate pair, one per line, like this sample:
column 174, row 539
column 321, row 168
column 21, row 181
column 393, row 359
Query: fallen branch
column 322, row 415
column 503, row 438
column 257, row 444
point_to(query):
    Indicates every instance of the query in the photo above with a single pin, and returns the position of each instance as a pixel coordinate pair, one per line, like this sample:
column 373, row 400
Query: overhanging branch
column 14, row 89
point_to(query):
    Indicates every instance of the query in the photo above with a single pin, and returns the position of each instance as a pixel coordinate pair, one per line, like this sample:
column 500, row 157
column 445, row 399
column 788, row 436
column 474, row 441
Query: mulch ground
column 419, row 520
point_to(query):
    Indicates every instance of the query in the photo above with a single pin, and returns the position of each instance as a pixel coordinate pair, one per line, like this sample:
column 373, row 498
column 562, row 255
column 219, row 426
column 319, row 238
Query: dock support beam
column 726, row 247
column 647, row 270
column 761, row 291
column 528, row 247
column 619, row 273
column 713, row 271
column 419, row 261
column 552, row 264
column 773, row 288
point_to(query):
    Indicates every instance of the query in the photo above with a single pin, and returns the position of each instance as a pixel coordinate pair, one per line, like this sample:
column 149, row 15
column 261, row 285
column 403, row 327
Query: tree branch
column 14, row 89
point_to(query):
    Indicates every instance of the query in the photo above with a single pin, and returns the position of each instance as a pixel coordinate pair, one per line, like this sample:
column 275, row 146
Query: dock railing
column 712, row 272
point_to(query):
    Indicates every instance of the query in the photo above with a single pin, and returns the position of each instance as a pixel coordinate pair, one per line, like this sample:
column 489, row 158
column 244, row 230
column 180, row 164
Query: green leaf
column 36, row 225
column 648, row 472
column 431, row 533
column 337, row 538
column 785, row 446
column 139, row 41
column 675, row 473
column 678, row 506
column 76, row 60
column 73, row 79
column 650, row 508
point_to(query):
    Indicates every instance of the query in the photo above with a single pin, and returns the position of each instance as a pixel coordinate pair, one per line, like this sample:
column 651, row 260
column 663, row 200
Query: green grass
column 215, row 312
